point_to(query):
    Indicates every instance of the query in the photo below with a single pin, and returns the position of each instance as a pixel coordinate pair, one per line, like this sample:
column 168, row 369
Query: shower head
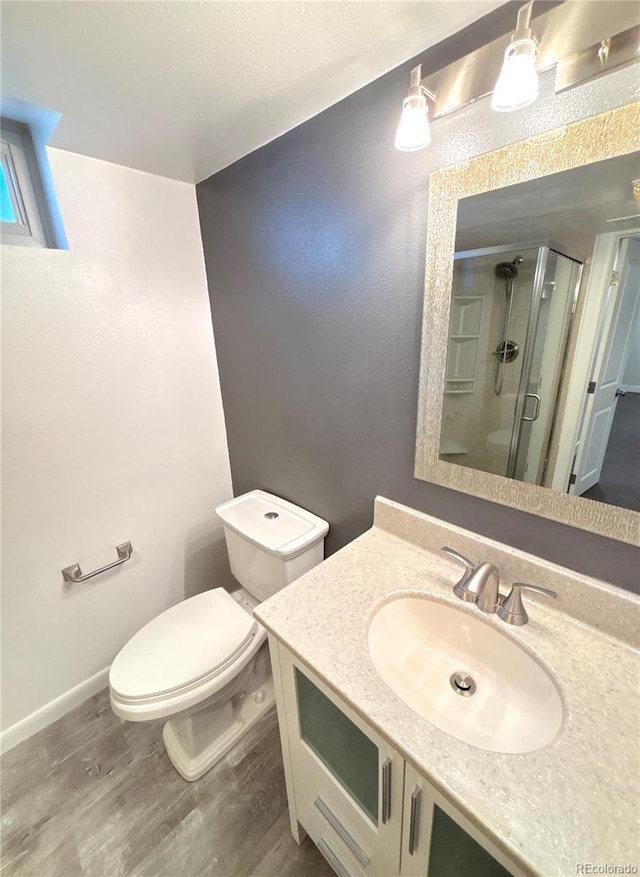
column 506, row 270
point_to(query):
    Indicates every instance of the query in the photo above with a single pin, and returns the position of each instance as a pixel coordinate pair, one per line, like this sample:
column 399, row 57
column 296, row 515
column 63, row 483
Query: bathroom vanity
column 367, row 808
column 381, row 789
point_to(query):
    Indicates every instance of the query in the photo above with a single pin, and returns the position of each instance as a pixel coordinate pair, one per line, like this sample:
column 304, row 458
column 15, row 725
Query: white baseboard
column 630, row 388
column 53, row 710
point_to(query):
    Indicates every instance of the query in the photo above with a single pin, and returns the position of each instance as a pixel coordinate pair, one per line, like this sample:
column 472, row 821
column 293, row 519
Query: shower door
column 481, row 390
column 545, row 351
column 510, row 317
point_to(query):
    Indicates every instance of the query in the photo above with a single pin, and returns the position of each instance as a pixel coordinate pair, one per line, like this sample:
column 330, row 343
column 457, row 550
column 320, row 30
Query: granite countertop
column 574, row 801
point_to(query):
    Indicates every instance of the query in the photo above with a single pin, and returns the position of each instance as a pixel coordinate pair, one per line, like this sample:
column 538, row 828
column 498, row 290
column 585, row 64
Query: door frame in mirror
column 597, row 138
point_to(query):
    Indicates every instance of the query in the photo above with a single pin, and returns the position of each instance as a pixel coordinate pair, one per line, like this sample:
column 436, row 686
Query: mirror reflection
column 542, row 380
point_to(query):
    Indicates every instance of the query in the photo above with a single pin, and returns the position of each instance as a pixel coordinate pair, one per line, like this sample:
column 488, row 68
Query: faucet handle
column 461, row 558
column 460, row 588
column 511, row 608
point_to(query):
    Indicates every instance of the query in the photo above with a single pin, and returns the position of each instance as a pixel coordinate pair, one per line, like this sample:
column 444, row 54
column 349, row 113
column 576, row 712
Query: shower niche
column 464, row 338
column 509, row 326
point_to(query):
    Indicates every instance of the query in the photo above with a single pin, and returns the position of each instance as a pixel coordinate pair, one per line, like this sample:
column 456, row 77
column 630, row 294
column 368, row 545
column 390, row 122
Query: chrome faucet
column 479, row 584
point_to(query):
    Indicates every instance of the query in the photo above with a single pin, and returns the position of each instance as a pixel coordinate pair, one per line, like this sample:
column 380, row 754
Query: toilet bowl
column 498, row 443
column 204, row 664
column 498, row 446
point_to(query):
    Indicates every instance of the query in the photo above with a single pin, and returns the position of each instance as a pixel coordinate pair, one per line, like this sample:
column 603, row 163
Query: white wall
column 113, row 430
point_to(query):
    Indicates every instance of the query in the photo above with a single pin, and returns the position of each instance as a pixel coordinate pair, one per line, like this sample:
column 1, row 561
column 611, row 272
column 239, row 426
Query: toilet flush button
column 259, row 697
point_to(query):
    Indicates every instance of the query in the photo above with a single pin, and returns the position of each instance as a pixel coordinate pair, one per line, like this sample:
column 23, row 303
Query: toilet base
column 196, row 740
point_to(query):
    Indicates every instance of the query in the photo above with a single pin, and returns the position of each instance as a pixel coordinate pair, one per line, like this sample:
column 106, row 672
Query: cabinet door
column 347, row 782
column 437, row 841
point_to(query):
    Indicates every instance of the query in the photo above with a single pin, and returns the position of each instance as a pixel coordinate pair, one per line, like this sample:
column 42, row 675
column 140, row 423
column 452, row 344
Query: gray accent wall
column 314, row 249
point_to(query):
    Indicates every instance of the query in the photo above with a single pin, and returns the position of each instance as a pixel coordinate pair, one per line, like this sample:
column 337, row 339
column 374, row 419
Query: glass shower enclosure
column 510, row 320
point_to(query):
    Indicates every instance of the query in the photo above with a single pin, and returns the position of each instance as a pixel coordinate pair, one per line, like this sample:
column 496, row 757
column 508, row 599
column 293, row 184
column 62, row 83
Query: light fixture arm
column 415, row 84
column 415, row 79
column 523, row 22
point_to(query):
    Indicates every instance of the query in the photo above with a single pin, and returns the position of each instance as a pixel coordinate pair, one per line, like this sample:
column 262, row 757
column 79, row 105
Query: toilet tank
column 270, row 541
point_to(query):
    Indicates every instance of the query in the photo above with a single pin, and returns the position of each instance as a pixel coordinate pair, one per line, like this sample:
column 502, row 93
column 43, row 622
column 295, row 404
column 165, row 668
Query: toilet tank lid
column 272, row 523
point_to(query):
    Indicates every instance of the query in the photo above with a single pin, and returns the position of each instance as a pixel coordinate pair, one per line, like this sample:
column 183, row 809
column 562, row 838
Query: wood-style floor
column 92, row 796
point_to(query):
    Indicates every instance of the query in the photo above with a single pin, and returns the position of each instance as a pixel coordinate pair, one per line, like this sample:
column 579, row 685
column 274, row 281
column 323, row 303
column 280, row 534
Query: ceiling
column 184, row 88
column 570, row 208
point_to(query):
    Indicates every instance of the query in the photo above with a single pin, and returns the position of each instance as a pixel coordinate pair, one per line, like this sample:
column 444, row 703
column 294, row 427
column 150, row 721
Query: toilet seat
column 183, row 656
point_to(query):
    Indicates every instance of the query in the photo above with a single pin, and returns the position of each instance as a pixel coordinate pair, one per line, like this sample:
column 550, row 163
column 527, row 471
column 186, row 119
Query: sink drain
column 462, row 683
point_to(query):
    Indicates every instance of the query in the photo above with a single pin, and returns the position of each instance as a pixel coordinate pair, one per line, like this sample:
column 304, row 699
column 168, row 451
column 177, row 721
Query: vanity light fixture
column 413, row 131
column 582, row 41
column 517, row 85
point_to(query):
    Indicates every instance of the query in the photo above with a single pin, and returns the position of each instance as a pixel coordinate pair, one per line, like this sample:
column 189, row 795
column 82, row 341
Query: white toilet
column 498, row 442
column 205, row 662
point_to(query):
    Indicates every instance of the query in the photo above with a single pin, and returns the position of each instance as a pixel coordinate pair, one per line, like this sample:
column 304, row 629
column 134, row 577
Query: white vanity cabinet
column 438, row 841
column 344, row 783
column 369, row 812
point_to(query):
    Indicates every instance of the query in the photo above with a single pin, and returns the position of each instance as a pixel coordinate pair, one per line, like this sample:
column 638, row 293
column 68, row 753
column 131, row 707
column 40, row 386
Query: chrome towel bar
column 74, row 573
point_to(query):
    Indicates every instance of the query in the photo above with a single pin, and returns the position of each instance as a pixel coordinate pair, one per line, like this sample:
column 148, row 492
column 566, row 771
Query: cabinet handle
column 414, row 820
column 342, row 832
column 332, row 859
column 386, row 791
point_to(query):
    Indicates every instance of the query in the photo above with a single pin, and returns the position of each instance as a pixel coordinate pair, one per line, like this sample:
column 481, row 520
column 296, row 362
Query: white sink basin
column 510, row 703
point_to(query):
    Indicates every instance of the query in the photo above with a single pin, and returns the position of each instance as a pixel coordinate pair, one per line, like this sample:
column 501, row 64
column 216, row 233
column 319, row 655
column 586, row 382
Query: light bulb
column 517, row 85
column 413, row 131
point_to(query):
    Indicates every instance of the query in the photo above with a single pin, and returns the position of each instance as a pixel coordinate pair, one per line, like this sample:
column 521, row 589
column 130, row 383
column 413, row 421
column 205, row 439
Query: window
column 23, row 207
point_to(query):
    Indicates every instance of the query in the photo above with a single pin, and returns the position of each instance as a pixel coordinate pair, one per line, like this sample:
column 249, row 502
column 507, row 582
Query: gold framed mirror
column 532, row 267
